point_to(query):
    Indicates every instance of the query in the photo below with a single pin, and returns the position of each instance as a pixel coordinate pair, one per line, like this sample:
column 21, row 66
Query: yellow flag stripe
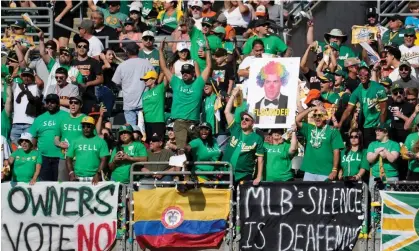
column 197, row 204
column 402, row 244
column 398, row 224
column 396, row 207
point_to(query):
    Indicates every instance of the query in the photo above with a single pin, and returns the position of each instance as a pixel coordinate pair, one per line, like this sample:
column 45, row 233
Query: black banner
column 300, row 216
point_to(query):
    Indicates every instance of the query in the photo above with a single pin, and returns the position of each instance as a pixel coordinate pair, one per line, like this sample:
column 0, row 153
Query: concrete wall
column 329, row 15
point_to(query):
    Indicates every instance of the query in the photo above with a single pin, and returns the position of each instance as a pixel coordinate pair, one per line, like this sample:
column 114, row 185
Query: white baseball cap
column 135, row 6
column 148, row 34
column 25, row 136
column 196, row 3
column 182, row 46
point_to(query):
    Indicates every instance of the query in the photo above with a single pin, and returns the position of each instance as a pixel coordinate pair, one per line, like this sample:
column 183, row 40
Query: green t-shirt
column 242, row 150
column 169, row 21
column 209, row 111
column 369, row 100
column 273, row 45
column 410, row 143
column 345, row 52
column 278, row 162
column 229, row 47
column 187, row 99
column 390, row 169
column 201, row 151
column 321, row 142
column 69, row 129
column 352, row 162
column 198, row 37
column 44, row 128
column 152, row 57
column 393, row 38
column 330, row 97
column 121, row 173
column 24, row 165
column 153, row 104
column 6, row 124
column 79, row 78
column 112, row 19
column 87, row 153
column 239, row 110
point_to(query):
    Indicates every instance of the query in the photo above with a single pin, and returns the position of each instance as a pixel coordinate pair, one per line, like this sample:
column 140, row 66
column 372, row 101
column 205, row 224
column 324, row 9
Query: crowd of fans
column 359, row 114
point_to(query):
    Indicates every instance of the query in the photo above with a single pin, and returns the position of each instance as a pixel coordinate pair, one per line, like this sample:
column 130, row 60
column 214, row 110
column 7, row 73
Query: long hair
column 209, row 140
column 360, row 138
column 176, row 57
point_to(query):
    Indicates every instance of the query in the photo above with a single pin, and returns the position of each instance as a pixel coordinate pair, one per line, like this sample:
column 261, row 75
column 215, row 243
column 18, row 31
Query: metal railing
column 388, row 8
column 156, row 183
column 35, row 18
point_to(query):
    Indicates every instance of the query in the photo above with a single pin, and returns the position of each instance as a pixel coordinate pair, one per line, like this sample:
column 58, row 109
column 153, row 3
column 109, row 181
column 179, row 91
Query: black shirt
column 108, row 75
column 312, row 81
column 89, row 69
column 404, row 107
column 351, row 84
column 223, row 74
column 107, row 31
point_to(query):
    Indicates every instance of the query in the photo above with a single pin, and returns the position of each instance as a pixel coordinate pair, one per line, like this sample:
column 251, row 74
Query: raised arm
column 44, row 55
column 303, row 64
column 92, row 5
column 243, row 7
column 310, row 32
column 303, row 114
column 163, row 66
column 227, row 112
column 207, row 71
column 8, row 106
column 412, row 117
column 68, row 6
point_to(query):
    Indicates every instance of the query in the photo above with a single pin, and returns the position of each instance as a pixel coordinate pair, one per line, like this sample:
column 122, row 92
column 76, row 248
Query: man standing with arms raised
column 187, row 95
column 244, row 146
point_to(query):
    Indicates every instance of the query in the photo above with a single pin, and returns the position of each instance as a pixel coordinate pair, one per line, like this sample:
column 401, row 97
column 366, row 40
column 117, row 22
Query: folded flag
column 166, row 218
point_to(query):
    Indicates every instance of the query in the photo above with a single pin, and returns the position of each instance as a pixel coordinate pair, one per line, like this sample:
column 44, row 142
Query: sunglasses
column 59, row 78
column 246, row 119
column 51, row 102
column 206, row 25
column 82, row 46
column 404, row 68
column 65, row 54
column 409, row 35
column 411, row 100
column 74, row 103
column 25, row 140
column 396, row 92
column 16, row 28
column 86, row 125
column 170, row 129
column 148, row 39
column 317, row 115
column 354, row 137
column 196, row 8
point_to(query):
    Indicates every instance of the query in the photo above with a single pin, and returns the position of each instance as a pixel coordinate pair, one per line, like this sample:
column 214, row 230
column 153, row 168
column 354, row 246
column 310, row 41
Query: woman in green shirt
column 204, row 148
column 26, row 161
column 353, row 159
column 125, row 154
column 167, row 20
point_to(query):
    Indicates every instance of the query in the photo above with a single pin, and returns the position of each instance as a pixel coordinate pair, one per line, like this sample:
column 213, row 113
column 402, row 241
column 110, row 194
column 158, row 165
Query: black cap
column 67, row 49
column 393, row 51
column 220, row 52
column 188, row 68
column 261, row 22
column 128, row 21
column 28, row 71
column 114, row 3
column 156, row 138
column 397, row 17
column 53, row 97
column 205, row 125
column 372, row 12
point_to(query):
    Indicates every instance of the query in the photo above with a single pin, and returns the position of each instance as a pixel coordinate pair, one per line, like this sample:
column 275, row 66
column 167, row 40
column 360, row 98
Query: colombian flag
column 166, row 218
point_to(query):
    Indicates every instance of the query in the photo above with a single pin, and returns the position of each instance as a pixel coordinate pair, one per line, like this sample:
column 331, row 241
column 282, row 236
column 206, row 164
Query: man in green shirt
column 372, row 98
column 394, row 36
column 187, row 95
column 244, row 146
column 273, row 44
column 68, row 130
column 89, row 153
column 278, row 156
column 322, row 153
column 43, row 130
column 149, row 52
column 199, row 38
column 113, row 16
column 326, row 88
column 411, row 141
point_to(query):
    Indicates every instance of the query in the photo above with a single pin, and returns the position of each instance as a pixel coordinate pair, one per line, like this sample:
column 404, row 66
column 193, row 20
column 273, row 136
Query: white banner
column 272, row 91
column 72, row 216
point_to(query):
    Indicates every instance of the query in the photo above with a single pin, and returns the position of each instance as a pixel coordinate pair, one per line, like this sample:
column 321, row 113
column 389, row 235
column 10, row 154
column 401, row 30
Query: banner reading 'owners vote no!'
column 59, row 216
column 307, row 216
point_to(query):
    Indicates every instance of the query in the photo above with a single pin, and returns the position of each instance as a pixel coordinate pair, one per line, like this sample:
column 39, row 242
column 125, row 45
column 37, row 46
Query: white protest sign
column 273, row 90
column 73, row 216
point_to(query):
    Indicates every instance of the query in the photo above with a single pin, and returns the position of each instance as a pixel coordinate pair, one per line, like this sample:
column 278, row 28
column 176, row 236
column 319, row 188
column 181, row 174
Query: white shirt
column 95, row 47
column 269, row 120
column 411, row 55
column 19, row 113
column 177, row 66
column 237, row 19
column 198, row 23
column 247, row 62
column 395, row 75
column 73, row 72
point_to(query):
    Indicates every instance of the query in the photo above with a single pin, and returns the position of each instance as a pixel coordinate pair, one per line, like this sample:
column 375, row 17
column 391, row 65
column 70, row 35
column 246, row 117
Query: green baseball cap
column 19, row 24
column 327, row 77
column 219, row 30
column 207, row 20
column 340, row 73
column 387, row 82
column 409, row 31
column 126, row 128
column 396, row 87
column 383, row 126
